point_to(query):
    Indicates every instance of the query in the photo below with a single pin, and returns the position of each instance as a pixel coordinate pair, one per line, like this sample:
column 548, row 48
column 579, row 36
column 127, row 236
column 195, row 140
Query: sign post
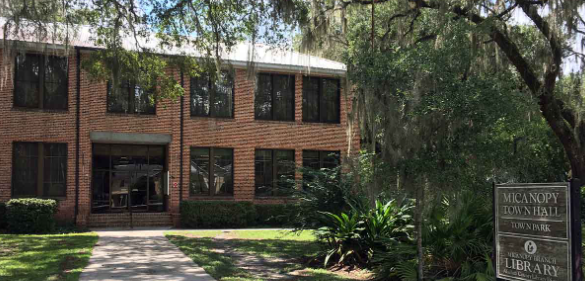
column 537, row 231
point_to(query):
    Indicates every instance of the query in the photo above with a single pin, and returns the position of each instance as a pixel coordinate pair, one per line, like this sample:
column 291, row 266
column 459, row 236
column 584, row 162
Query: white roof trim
column 267, row 58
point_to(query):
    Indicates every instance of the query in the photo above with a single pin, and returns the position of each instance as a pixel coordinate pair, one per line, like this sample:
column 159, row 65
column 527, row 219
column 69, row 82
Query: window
column 321, row 159
column 211, row 171
column 40, row 82
column 130, row 98
column 39, row 169
column 213, row 97
column 321, row 100
column 274, row 99
column 274, row 169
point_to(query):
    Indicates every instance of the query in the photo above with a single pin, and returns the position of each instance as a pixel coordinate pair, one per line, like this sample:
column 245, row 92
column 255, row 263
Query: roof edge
column 261, row 66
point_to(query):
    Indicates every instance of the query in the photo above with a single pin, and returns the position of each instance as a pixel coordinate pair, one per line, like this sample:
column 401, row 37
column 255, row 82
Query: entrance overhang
column 129, row 138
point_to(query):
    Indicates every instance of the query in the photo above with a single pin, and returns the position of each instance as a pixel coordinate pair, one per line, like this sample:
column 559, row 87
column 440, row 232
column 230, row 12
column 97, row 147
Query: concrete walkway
column 139, row 255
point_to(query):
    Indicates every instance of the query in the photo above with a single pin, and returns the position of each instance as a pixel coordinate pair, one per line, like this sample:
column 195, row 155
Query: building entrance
column 128, row 178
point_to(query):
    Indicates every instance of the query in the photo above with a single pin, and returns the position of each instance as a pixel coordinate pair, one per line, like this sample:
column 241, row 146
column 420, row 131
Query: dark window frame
column 131, row 105
column 210, row 171
column 272, row 95
column 40, row 181
column 274, row 163
column 320, row 102
column 212, row 113
column 41, row 83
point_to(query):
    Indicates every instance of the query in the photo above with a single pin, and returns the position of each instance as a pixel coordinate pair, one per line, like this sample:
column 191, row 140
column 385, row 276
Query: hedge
column 275, row 214
column 222, row 214
column 217, row 214
column 31, row 215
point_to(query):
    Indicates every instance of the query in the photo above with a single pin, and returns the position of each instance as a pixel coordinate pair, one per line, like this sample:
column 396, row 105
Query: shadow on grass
column 209, row 254
column 44, row 257
column 277, row 248
column 203, row 252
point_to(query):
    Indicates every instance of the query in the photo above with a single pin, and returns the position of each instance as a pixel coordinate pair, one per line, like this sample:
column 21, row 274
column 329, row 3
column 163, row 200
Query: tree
column 429, row 76
column 538, row 68
column 132, row 34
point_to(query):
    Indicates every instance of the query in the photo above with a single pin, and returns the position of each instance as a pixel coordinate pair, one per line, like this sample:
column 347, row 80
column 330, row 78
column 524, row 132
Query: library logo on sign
column 530, row 247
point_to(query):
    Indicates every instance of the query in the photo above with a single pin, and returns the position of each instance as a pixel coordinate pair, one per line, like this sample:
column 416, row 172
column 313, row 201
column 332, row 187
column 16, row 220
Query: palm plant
column 356, row 236
column 344, row 237
column 389, row 221
column 458, row 235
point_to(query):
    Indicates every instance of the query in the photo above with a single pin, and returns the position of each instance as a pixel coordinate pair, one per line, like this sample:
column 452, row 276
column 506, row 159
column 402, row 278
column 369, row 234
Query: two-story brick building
column 104, row 153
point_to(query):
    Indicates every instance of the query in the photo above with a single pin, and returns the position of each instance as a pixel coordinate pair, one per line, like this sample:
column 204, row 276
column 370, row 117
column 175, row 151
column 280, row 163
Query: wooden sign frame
column 573, row 229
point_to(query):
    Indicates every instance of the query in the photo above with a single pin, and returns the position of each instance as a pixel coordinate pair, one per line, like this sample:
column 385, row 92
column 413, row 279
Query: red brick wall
column 242, row 133
column 31, row 125
column 245, row 134
column 95, row 118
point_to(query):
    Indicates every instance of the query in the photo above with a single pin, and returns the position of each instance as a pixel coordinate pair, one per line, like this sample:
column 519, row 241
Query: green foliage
column 457, row 239
column 146, row 70
column 389, row 232
column 458, row 236
column 392, row 220
column 407, row 270
column 276, row 214
column 31, row 215
column 217, row 214
column 394, row 262
column 323, row 190
column 135, row 37
column 343, row 235
column 355, row 237
column 222, row 214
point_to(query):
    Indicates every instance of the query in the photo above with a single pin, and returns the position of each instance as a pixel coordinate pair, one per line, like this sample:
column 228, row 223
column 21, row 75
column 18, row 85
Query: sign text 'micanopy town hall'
column 534, row 204
column 532, row 232
column 535, row 201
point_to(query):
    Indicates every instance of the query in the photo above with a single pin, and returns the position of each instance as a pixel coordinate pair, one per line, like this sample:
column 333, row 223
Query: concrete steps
column 123, row 220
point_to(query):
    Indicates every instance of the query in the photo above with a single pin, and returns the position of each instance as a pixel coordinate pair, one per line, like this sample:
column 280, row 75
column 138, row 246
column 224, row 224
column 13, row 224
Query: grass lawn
column 44, row 257
column 206, row 252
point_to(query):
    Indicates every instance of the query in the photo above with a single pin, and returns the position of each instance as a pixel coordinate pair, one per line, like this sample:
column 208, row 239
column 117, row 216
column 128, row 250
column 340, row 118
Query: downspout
column 77, row 128
column 181, row 142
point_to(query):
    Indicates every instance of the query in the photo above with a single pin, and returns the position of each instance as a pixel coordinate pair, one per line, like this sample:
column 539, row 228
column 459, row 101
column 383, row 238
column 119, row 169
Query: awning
column 129, row 138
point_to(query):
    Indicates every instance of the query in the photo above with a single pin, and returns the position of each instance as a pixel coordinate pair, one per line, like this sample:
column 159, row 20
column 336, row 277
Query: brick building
column 104, row 152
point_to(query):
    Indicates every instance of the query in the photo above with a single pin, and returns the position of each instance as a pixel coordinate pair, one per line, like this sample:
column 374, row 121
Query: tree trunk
column 570, row 132
column 577, row 162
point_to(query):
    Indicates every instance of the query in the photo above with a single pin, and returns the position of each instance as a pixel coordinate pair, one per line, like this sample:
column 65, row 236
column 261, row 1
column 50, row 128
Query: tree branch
column 554, row 69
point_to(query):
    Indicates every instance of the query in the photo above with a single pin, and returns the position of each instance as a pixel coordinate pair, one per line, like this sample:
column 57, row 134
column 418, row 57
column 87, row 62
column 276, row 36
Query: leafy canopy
column 132, row 33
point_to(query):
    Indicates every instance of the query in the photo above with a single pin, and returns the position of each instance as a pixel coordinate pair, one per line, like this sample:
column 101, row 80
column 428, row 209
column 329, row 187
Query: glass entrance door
column 127, row 177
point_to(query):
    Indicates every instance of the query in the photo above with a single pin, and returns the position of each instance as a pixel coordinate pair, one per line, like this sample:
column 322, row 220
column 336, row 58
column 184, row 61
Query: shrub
column 2, row 215
column 217, row 214
column 344, row 238
column 391, row 220
column 31, row 215
column 276, row 214
column 323, row 190
column 355, row 237
column 458, row 237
